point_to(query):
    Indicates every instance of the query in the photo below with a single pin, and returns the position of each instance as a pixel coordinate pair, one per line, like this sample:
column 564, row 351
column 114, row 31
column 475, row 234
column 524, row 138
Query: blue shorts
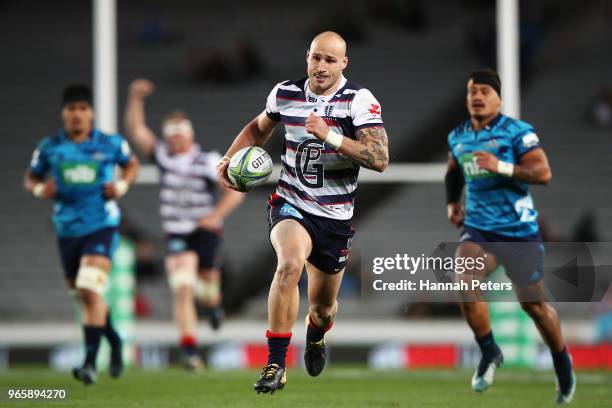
column 204, row 243
column 331, row 239
column 522, row 257
column 102, row 242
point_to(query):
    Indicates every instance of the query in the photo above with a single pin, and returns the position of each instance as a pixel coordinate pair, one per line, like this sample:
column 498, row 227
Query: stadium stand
column 414, row 97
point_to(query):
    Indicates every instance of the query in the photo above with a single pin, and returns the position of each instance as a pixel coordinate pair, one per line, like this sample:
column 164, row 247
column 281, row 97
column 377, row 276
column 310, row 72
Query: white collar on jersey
column 322, row 98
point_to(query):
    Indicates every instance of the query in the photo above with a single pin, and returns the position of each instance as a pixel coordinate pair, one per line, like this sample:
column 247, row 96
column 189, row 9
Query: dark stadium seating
column 46, row 45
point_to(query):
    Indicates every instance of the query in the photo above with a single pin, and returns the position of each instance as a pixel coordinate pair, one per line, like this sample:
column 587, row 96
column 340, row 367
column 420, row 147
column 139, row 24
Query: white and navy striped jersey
column 315, row 177
column 188, row 187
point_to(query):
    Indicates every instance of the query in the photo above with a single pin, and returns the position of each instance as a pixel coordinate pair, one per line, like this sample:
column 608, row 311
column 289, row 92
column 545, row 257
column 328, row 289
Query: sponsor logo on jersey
column 374, row 109
column 328, row 110
column 530, row 140
column 79, row 173
column 471, row 170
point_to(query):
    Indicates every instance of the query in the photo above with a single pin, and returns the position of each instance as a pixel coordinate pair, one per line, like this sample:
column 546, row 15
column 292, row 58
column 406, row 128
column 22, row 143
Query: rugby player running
column 497, row 157
column 75, row 168
column 332, row 128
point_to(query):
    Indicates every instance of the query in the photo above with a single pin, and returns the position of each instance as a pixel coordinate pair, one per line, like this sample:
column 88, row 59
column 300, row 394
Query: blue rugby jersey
column 315, row 177
column 80, row 171
column 493, row 202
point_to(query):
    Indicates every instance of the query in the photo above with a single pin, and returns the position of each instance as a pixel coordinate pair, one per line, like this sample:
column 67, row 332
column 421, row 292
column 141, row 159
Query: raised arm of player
column 370, row 149
column 454, row 183
column 136, row 128
column 533, row 167
column 255, row 133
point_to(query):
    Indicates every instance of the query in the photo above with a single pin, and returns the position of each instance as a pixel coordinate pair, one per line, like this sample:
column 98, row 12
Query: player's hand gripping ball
column 249, row 167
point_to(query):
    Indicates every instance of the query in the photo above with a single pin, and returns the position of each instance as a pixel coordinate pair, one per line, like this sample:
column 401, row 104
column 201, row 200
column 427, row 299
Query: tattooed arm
column 370, row 149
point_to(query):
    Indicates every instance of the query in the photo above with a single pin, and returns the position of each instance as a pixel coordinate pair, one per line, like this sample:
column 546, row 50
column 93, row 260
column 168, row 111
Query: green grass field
column 337, row 387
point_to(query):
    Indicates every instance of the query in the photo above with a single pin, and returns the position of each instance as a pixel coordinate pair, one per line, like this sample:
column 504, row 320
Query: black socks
column 92, row 343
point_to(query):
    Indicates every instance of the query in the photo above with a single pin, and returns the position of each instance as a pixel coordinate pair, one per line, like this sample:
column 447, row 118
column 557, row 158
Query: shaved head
column 331, row 41
column 326, row 60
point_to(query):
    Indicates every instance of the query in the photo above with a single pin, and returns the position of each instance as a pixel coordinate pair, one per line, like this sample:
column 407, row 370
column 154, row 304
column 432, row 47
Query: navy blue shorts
column 331, row 239
column 522, row 257
column 102, row 242
column 206, row 244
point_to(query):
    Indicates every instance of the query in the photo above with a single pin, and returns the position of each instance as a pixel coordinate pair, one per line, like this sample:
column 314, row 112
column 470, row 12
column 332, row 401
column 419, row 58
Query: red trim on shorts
column 271, row 335
column 273, row 197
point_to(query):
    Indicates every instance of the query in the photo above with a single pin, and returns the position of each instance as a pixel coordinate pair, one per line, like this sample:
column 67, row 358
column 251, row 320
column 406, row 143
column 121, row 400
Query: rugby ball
column 249, row 167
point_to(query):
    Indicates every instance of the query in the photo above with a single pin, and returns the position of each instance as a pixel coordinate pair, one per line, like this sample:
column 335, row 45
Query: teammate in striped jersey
column 333, row 126
column 192, row 217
